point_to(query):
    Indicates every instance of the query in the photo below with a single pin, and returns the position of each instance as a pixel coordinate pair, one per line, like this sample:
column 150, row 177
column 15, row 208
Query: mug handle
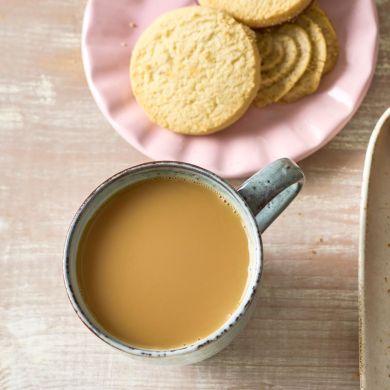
column 269, row 191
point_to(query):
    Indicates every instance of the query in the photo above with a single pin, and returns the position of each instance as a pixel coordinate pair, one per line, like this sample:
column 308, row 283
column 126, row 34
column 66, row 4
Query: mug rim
column 159, row 353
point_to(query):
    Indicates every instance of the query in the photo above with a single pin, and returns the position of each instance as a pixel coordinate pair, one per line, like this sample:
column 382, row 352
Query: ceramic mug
column 258, row 202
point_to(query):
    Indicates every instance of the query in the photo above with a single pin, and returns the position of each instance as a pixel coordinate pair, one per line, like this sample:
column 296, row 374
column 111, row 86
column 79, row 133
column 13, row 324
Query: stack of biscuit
column 196, row 70
column 300, row 53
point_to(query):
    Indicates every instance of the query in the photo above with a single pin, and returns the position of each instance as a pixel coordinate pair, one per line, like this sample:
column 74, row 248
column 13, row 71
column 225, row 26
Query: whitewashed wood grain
column 55, row 147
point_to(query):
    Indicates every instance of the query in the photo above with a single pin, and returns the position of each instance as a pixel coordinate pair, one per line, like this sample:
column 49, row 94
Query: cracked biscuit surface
column 259, row 13
column 195, row 70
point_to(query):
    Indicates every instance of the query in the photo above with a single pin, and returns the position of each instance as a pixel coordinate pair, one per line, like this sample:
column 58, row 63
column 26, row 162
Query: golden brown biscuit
column 265, row 45
column 195, row 70
column 317, row 15
column 274, row 58
column 297, row 54
column 259, row 13
column 271, row 72
column 310, row 80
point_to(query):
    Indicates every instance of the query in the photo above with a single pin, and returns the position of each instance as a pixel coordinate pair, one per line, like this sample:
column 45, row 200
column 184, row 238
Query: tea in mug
column 163, row 263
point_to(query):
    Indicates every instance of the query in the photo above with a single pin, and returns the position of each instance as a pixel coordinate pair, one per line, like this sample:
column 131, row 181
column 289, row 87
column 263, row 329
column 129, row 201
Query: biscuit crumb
column 314, row 252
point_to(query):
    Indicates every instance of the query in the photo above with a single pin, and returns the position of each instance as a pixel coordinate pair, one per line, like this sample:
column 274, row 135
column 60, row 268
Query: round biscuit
column 272, row 93
column 195, row 70
column 260, row 13
column 317, row 15
column 310, row 80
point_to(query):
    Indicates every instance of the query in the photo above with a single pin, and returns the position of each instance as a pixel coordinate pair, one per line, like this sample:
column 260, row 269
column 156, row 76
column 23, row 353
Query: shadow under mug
column 259, row 201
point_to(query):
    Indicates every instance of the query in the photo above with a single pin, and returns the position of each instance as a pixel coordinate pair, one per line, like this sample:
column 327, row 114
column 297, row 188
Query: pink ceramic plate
column 110, row 31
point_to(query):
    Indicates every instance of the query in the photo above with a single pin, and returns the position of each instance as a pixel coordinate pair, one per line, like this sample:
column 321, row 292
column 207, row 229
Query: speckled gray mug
column 258, row 201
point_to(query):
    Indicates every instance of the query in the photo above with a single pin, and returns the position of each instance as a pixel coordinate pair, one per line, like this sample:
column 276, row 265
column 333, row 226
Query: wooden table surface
column 55, row 147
